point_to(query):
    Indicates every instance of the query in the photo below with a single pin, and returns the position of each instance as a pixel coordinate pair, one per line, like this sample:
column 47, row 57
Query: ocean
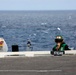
column 41, row 27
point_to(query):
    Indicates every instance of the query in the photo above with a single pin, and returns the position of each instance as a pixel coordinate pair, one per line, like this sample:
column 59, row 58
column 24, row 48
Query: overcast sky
column 37, row 4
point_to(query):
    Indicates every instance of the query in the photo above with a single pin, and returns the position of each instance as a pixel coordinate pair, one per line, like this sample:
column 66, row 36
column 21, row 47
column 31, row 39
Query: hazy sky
column 37, row 4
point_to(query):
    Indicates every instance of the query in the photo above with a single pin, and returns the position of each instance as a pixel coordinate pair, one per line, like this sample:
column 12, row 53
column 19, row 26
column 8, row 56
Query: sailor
column 29, row 46
column 3, row 45
column 28, row 43
column 60, row 45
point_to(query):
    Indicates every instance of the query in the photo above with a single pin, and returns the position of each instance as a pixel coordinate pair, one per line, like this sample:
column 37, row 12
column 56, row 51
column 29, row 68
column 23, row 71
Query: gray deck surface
column 47, row 65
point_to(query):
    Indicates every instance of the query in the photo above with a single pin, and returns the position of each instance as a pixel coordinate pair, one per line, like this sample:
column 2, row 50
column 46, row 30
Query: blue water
column 41, row 27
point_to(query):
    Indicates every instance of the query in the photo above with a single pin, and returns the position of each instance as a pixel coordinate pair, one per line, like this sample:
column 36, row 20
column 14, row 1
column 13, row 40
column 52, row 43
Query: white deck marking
column 30, row 70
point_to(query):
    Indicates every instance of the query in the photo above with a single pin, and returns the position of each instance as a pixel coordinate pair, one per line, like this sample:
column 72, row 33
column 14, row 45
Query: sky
column 37, row 4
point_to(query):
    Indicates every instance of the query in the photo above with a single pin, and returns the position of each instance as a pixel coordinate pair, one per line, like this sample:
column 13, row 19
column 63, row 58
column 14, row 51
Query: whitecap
column 34, row 34
column 45, row 31
column 43, row 23
column 58, row 28
column 3, row 26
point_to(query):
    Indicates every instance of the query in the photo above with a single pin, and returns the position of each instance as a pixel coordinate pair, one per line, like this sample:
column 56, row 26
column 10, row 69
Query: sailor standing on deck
column 3, row 45
column 60, row 45
column 29, row 47
column 28, row 43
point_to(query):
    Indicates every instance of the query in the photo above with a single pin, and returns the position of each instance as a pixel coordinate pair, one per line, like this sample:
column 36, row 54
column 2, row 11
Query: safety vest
column 62, row 48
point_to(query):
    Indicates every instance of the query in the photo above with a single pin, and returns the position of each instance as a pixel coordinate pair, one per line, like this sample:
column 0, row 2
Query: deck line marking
column 30, row 70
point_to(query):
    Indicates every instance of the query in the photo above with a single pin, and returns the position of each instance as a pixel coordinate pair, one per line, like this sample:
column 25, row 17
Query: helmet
column 58, row 39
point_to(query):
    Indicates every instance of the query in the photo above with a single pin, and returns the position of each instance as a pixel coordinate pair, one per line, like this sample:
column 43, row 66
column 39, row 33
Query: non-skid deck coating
column 46, row 65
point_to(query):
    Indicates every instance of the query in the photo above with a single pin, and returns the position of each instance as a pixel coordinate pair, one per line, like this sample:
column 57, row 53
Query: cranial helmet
column 58, row 39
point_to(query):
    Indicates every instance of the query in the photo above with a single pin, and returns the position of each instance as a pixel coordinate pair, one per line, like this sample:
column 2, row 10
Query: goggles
column 58, row 40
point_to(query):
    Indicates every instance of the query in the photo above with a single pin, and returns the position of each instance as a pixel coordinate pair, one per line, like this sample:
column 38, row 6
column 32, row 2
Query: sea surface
column 41, row 27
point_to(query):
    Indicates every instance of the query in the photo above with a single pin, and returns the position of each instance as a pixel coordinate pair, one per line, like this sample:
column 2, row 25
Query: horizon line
column 34, row 9
column 41, row 10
